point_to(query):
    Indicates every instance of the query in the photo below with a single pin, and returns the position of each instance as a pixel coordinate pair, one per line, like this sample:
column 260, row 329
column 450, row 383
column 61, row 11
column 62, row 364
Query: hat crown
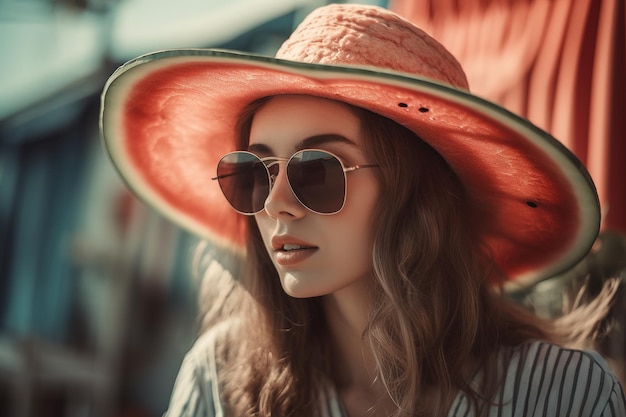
column 357, row 35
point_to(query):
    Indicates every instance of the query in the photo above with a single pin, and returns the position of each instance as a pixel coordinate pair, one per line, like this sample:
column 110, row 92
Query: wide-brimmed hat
column 168, row 117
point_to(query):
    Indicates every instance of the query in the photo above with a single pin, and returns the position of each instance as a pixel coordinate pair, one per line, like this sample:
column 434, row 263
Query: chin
column 301, row 292
column 297, row 287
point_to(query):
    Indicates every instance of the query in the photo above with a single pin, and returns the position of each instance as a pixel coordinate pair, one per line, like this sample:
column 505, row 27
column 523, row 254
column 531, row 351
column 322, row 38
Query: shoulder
column 202, row 351
column 543, row 360
column 548, row 379
column 196, row 392
column 540, row 379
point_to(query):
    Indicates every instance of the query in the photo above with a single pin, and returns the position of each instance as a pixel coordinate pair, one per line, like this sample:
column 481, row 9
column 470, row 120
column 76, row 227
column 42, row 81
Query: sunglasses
column 317, row 178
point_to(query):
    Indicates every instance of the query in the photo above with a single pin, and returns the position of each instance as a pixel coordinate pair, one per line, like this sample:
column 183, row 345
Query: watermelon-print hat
column 168, row 117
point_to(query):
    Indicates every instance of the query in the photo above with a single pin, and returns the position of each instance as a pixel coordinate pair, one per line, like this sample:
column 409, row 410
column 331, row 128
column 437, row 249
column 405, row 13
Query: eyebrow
column 308, row 143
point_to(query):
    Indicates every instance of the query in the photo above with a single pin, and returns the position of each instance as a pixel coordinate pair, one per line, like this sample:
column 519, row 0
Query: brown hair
column 437, row 314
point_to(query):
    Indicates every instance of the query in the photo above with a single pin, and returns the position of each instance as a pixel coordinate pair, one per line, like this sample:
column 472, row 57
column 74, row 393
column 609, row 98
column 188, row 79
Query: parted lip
column 278, row 241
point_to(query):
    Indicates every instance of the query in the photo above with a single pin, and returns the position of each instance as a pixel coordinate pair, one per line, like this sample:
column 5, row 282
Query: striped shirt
column 541, row 379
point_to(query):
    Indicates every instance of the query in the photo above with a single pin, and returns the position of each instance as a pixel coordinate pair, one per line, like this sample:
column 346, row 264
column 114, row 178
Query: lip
column 278, row 241
column 292, row 257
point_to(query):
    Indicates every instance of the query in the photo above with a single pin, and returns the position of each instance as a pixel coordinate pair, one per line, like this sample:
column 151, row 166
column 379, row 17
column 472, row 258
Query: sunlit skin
column 340, row 244
column 338, row 264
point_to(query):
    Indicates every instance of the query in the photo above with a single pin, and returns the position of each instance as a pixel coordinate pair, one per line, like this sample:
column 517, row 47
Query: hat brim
column 167, row 118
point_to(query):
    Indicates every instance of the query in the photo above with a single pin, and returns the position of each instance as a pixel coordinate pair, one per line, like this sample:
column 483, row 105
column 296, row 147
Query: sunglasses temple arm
column 225, row 176
column 354, row 168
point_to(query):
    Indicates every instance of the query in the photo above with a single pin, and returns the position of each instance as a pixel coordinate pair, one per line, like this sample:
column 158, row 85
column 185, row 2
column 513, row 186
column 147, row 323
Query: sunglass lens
column 244, row 181
column 318, row 180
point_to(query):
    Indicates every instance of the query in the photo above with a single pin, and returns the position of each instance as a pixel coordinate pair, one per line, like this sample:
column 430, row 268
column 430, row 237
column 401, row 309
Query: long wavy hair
column 437, row 314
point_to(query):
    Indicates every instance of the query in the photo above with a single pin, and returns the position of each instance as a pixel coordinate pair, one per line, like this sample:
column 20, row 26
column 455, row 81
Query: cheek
column 360, row 206
column 352, row 254
column 355, row 225
column 265, row 226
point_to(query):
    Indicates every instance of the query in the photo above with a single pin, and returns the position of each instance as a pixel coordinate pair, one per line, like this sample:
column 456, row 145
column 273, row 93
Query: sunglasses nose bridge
column 281, row 197
column 273, row 169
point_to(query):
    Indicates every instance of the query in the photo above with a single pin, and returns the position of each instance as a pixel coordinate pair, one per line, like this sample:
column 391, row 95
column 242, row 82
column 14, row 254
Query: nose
column 281, row 202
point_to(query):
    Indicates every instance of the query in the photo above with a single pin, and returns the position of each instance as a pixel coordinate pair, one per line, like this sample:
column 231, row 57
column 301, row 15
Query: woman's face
column 315, row 254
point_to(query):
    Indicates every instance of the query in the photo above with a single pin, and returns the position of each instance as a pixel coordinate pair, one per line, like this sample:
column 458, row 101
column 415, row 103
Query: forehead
column 284, row 121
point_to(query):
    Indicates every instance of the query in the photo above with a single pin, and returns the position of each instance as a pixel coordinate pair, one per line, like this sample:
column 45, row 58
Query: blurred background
column 98, row 299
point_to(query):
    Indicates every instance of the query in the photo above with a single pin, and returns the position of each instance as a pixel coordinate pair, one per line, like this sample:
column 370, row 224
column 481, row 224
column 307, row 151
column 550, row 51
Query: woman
column 378, row 209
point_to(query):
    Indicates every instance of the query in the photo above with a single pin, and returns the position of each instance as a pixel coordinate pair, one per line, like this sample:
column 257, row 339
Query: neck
column 346, row 312
column 355, row 371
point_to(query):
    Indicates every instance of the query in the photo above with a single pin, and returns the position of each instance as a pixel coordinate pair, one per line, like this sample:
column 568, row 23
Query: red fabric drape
column 559, row 63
